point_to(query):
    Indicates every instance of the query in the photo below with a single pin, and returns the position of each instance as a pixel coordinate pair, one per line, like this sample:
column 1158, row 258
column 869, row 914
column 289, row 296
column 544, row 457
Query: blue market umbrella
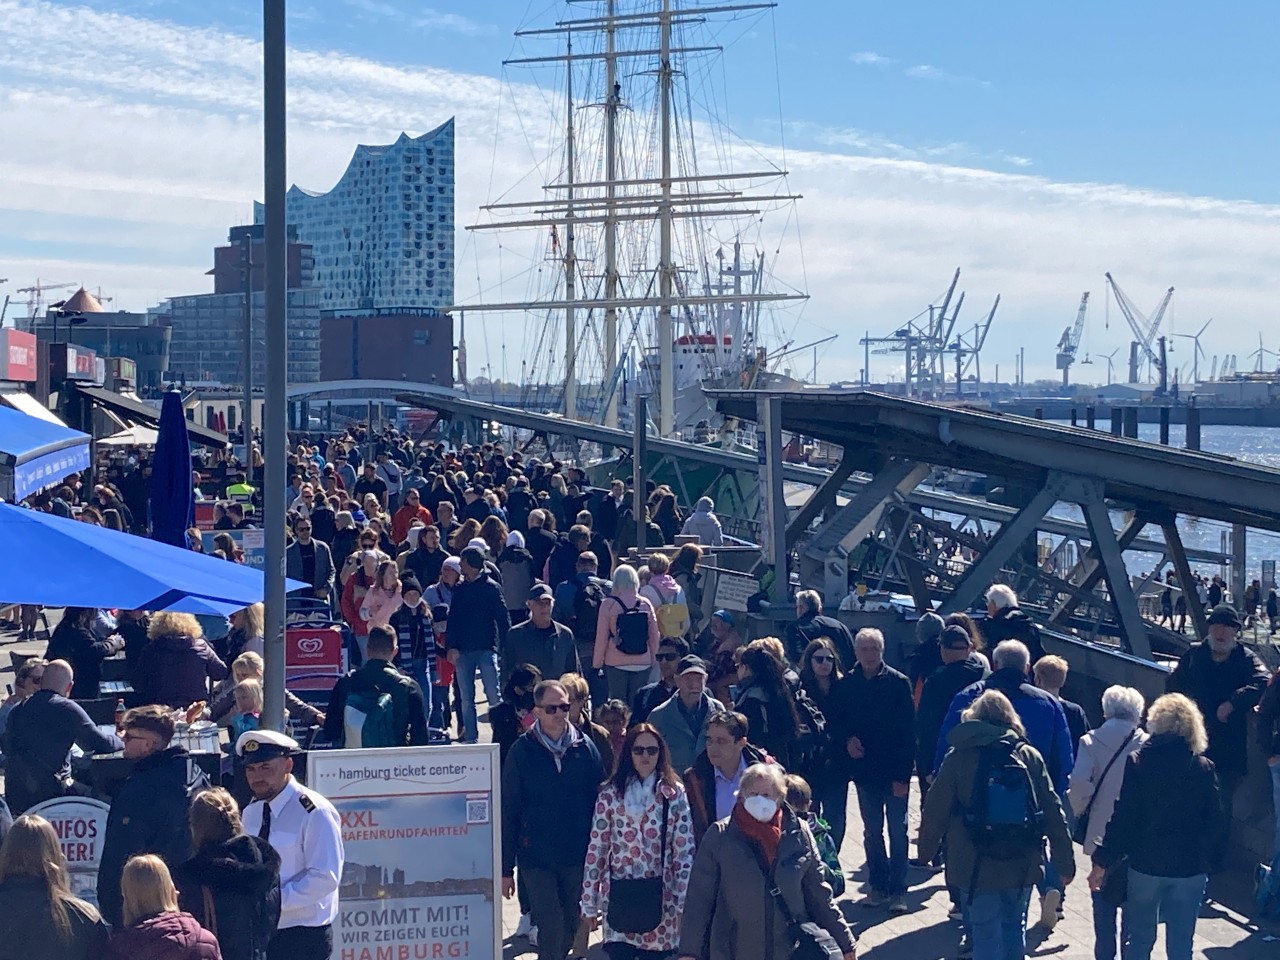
column 59, row 562
column 172, row 494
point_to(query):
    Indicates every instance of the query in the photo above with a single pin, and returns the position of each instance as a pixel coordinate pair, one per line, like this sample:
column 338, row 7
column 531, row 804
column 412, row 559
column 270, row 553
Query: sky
column 1033, row 146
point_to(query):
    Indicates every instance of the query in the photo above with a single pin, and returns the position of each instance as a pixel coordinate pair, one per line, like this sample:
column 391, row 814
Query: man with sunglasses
column 549, row 787
column 649, row 698
column 309, row 560
column 682, row 720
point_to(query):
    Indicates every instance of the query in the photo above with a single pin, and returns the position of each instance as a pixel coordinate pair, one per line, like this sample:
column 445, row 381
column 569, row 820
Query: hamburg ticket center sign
column 423, row 853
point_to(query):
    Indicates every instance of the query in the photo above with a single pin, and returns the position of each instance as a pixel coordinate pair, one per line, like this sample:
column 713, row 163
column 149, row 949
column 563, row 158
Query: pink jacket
column 629, row 848
column 606, row 653
column 381, row 606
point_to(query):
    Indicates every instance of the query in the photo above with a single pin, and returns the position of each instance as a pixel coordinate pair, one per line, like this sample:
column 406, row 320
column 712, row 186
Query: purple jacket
column 174, row 671
column 166, row 936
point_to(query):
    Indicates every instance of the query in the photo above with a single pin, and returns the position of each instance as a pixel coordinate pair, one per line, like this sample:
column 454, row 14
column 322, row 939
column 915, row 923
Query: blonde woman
column 40, row 918
column 626, row 636
column 175, row 667
column 249, row 666
column 246, row 631
column 231, row 884
column 1171, row 847
column 153, row 926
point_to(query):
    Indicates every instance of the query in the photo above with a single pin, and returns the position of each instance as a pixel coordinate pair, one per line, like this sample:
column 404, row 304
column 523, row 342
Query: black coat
column 478, row 617
column 1010, row 623
column 408, row 705
column 552, row 651
column 29, row 930
column 814, row 625
column 1240, row 680
column 78, row 646
column 1163, row 838
column 242, row 879
column 37, row 739
column 148, row 815
column 878, row 711
column 939, row 690
column 546, row 813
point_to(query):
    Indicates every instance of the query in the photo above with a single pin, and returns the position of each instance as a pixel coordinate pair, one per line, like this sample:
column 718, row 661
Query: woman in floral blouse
column 627, row 843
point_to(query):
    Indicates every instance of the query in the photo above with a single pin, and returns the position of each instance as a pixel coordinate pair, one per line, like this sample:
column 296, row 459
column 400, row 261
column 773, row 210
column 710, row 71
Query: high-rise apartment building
column 382, row 238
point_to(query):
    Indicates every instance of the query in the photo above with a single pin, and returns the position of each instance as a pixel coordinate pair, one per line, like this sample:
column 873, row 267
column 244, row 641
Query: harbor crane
column 968, row 352
column 1144, row 330
column 923, row 341
column 1070, row 341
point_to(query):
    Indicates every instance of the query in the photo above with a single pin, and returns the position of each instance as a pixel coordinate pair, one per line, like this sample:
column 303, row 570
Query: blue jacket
column 1040, row 712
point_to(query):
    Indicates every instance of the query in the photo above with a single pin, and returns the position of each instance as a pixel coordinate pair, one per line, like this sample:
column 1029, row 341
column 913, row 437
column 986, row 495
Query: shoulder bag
column 635, row 906
column 1080, row 832
column 809, row 941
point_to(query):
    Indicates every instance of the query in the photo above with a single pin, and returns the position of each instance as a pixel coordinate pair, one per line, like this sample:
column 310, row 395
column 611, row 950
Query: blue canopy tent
column 172, row 494
column 58, row 562
column 35, row 454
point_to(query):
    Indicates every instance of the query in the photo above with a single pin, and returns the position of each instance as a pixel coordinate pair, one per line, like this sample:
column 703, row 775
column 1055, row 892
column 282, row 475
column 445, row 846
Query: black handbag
column 1080, row 832
column 809, row 941
column 635, row 906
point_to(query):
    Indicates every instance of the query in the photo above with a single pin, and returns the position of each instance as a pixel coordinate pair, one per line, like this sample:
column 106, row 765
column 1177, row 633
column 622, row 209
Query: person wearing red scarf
column 723, row 919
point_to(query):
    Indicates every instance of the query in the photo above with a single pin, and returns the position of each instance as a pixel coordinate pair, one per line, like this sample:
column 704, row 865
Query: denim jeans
column 421, row 673
column 831, row 803
column 1104, row 928
column 486, row 661
column 1174, row 900
column 997, row 921
column 877, row 804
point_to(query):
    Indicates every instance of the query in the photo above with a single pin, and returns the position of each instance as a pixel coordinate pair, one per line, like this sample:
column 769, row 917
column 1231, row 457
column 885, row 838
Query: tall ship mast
column 656, row 279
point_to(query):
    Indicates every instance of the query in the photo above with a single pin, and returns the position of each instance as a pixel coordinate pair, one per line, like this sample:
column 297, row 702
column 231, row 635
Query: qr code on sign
column 477, row 811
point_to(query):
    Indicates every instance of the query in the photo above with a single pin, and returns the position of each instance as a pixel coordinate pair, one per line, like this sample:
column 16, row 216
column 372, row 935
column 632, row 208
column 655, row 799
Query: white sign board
column 733, row 590
column 81, row 826
column 420, row 828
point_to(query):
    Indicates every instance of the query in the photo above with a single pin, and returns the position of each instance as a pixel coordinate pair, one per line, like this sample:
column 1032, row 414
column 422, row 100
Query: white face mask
column 762, row 808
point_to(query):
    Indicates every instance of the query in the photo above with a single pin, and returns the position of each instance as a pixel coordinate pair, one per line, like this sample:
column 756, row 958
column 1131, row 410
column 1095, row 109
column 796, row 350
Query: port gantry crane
column 1070, row 341
column 968, row 353
column 1144, row 330
column 924, row 344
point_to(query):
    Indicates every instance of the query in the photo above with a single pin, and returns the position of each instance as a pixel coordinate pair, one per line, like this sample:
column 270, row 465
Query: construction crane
column 1070, row 341
column 37, row 295
column 1144, row 330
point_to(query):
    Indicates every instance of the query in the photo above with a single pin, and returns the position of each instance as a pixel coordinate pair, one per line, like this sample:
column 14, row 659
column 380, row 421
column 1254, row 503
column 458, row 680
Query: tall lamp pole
column 275, row 366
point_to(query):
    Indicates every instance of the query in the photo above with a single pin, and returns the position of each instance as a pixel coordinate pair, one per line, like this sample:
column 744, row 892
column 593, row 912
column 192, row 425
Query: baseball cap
column 540, row 591
column 954, row 637
column 691, row 664
column 724, row 615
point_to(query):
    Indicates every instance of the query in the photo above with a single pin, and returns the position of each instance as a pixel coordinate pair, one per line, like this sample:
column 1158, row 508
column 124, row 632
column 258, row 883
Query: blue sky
column 1033, row 145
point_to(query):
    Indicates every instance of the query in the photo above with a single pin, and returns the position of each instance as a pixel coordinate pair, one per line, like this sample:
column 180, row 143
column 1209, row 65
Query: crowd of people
column 665, row 781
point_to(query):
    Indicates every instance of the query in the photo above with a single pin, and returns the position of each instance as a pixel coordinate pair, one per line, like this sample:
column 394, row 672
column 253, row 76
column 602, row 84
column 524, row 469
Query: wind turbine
column 1198, row 351
column 1261, row 353
column 1108, row 357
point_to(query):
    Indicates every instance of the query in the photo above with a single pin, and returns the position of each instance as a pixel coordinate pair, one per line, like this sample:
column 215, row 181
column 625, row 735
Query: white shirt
column 311, row 857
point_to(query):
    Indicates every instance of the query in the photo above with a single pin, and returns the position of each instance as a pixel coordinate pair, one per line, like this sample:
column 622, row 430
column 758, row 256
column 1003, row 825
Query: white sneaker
column 524, row 926
column 1049, row 904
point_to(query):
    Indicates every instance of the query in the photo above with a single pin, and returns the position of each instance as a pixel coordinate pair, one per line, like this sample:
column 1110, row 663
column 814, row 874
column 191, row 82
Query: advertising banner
column 313, row 658
column 251, row 542
column 17, row 355
column 81, row 825
column 423, row 856
column 204, row 514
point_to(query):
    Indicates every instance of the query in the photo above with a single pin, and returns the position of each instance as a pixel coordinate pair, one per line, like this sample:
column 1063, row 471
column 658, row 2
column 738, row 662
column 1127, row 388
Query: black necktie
column 264, row 831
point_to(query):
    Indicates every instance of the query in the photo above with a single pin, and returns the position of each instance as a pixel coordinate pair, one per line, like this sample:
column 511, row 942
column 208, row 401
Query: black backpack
column 811, row 738
column 633, row 629
column 586, row 612
column 1003, row 817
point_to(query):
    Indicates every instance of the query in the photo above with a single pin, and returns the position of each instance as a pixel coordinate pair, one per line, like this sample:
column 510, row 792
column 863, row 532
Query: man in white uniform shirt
column 305, row 830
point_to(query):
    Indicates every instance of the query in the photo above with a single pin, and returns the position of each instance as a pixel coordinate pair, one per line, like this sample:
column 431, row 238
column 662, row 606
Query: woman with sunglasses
column 641, row 830
column 820, row 670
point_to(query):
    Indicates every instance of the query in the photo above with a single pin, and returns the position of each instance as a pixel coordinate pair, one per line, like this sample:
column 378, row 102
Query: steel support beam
column 1091, row 566
column 823, row 497
column 1002, row 546
column 1238, row 573
column 773, row 503
column 1173, row 538
column 860, row 515
column 912, row 569
column 1133, row 629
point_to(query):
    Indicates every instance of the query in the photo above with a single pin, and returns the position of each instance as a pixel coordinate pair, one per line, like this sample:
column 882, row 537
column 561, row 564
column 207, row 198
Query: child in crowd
column 442, row 681
column 800, row 799
column 613, row 715
column 248, row 694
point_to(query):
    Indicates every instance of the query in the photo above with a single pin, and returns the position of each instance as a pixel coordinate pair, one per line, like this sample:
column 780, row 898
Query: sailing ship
column 659, row 284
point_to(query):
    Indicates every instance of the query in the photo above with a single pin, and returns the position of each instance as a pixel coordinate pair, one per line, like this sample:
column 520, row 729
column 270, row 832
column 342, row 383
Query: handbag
column 635, row 906
column 809, row 941
column 1080, row 832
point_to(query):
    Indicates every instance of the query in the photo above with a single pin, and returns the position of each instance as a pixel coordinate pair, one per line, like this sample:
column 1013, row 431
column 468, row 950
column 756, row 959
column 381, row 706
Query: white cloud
column 159, row 134
column 869, row 58
column 925, row 71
